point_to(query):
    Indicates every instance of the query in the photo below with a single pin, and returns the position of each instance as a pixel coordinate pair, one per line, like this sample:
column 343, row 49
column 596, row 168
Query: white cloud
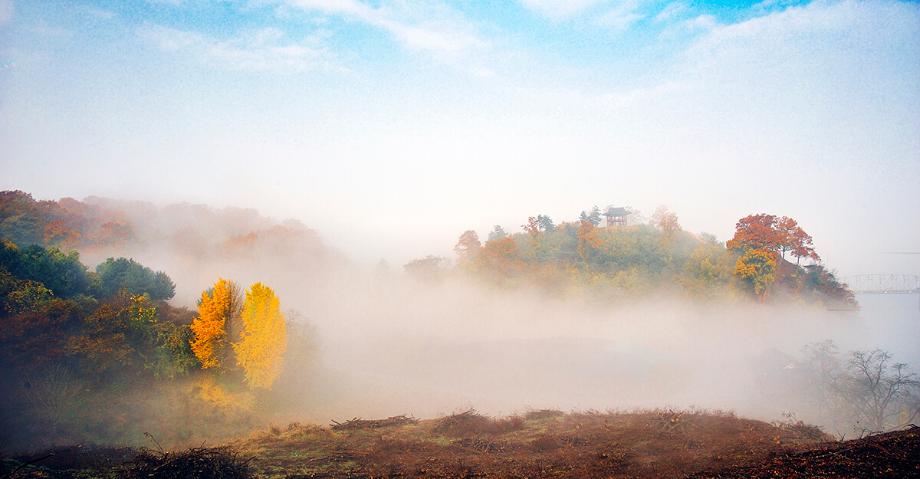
column 559, row 9
column 701, row 22
column 772, row 5
column 672, row 10
column 6, row 11
column 432, row 28
column 620, row 17
column 261, row 50
column 792, row 24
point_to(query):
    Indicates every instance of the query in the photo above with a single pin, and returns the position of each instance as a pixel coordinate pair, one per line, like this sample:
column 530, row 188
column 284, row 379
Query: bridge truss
column 884, row 283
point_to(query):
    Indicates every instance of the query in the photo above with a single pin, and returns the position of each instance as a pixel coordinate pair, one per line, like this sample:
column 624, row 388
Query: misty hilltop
column 614, row 253
column 187, row 240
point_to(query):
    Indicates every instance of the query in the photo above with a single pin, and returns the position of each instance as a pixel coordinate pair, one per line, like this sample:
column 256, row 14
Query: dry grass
column 545, row 443
column 889, row 455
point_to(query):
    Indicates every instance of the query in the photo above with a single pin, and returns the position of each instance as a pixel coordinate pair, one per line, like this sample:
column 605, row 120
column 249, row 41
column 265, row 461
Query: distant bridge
column 884, row 283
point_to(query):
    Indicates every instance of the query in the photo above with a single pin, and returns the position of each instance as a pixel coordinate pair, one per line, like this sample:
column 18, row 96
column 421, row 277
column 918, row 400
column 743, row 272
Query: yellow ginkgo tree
column 263, row 340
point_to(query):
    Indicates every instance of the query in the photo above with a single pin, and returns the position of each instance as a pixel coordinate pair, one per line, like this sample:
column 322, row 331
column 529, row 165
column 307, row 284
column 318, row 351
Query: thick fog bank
column 386, row 344
column 401, row 347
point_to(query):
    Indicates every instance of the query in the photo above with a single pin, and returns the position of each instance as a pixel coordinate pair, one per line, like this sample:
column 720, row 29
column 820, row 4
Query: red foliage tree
column 771, row 233
column 756, row 232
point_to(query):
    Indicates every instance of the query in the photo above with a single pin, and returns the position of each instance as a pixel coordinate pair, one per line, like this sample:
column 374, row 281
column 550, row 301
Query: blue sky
column 392, row 126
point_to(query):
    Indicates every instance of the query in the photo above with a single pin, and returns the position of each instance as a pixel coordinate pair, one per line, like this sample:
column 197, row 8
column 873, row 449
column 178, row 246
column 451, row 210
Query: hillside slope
column 659, row 443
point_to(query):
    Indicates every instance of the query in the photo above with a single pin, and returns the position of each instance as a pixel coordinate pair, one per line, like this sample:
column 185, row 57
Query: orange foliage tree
column 114, row 232
column 666, row 221
column 777, row 234
column 500, row 256
column 468, row 246
column 57, row 233
column 216, row 310
column 587, row 239
column 795, row 240
column 756, row 232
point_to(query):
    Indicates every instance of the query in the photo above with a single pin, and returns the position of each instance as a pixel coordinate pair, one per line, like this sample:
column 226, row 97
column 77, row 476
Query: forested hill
column 603, row 254
column 101, row 356
column 100, row 223
column 194, row 243
column 770, row 259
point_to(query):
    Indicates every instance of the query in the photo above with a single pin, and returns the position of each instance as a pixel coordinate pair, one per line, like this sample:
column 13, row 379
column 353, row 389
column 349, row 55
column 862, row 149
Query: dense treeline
column 187, row 240
column 78, row 347
column 631, row 258
column 607, row 253
column 67, row 223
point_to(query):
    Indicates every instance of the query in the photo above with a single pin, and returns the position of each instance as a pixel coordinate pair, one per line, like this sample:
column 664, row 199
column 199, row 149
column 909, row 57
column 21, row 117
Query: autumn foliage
column 632, row 258
column 467, row 246
column 762, row 241
column 66, row 224
column 100, row 355
column 771, row 233
column 756, row 267
column 260, row 350
column 216, row 309
column 256, row 346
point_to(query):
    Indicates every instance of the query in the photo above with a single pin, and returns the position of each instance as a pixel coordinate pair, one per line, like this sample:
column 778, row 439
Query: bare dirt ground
column 660, row 443
column 894, row 454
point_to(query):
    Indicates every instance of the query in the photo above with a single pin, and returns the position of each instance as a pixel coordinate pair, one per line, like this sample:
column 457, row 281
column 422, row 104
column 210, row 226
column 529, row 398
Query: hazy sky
column 392, row 126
